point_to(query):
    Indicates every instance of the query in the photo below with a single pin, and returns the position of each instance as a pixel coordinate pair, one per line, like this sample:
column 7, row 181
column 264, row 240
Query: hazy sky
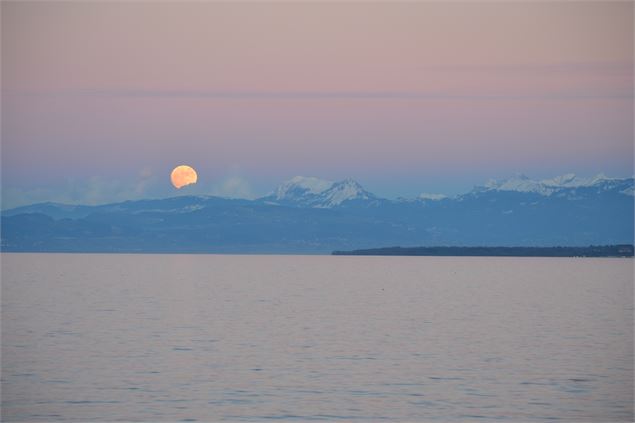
column 101, row 100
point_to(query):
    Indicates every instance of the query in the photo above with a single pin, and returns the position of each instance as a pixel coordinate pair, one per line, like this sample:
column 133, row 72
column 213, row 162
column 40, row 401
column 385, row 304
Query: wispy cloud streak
column 315, row 95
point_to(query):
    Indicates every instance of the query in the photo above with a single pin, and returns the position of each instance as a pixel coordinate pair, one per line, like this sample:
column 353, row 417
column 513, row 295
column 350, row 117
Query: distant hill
column 591, row 251
column 310, row 215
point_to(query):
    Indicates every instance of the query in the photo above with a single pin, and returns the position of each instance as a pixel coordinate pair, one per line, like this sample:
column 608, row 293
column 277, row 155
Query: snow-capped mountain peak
column 301, row 185
column 563, row 180
column 314, row 192
column 520, row 183
column 345, row 190
column 570, row 180
column 600, row 177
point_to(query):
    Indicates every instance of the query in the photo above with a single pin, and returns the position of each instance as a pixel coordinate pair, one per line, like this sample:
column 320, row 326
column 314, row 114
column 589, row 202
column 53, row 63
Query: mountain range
column 311, row 215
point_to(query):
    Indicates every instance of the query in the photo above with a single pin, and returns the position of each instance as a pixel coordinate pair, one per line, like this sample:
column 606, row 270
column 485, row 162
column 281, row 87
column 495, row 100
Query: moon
column 183, row 175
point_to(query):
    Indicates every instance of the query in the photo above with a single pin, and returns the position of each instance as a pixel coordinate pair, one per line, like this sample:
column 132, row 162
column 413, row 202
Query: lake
column 95, row 337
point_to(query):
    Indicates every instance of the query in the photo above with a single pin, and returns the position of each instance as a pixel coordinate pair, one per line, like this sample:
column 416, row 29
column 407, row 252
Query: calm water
column 205, row 337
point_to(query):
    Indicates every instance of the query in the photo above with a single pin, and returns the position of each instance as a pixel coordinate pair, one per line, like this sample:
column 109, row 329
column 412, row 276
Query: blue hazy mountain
column 310, row 215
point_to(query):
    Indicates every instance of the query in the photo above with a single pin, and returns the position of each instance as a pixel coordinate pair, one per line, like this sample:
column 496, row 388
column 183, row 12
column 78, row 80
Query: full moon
column 183, row 175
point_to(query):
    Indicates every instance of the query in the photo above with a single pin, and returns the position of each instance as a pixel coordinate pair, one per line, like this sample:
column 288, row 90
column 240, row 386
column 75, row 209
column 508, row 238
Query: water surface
column 211, row 337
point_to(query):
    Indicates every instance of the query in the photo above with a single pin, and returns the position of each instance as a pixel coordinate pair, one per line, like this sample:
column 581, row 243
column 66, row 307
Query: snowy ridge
column 546, row 187
column 301, row 185
column 343, row 191
column 629, row 191
column 431, row 197
column 309, row 191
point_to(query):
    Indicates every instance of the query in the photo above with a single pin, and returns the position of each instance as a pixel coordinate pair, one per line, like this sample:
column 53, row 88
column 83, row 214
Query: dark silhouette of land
column 622, row 250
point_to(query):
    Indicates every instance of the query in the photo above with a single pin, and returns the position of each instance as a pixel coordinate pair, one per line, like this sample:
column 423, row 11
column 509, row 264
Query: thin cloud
column 316, row 95
column 233, row 187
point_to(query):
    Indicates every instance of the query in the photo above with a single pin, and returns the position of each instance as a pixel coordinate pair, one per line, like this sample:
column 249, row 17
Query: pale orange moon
column 183, row 175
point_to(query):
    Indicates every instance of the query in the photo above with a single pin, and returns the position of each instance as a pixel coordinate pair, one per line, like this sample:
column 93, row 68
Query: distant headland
column 622, row 250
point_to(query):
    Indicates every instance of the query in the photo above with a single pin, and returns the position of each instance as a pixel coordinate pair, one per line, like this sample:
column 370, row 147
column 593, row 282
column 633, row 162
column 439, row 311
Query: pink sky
column 404, row 97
